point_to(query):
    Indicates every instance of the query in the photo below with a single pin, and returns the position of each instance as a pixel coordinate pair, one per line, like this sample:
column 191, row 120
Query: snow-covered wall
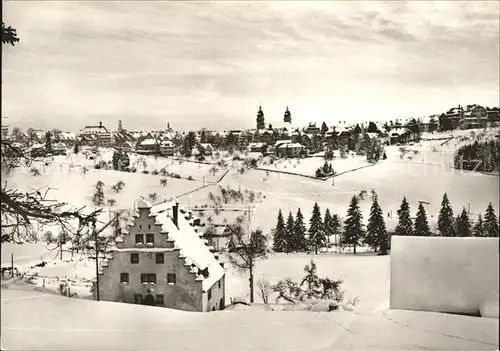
column 455, row 275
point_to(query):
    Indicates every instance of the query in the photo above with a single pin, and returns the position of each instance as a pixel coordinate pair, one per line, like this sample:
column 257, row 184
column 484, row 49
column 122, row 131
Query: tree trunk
column 250, row 279
column 354, row 248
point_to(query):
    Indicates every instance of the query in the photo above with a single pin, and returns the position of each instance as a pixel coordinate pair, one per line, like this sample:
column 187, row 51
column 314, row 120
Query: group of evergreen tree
column 120, row 160
column 479, row 156
column 293, row 236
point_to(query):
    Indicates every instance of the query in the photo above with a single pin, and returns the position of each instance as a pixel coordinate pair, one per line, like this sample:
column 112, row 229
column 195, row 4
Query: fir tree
column 445, row 224
column 463, row 224
column 290, row 234
column 336, row 226
column 490, row 222
column 376, row 232
column 421, row 224
column 327, row 223
column 353, row 226
column 299, row 231
column 478, row 229
column 405, row 225
column 76, row 149
column 317, row 238
column 280, row 236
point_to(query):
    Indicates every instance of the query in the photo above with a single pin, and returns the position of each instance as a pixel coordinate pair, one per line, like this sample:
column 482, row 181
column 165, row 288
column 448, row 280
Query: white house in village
column 161, row 260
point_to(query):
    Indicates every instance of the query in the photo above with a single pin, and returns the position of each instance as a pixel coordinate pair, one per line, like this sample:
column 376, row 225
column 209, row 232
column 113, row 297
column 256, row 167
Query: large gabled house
column 98, row 135
column 161, row 260
column 474, row 116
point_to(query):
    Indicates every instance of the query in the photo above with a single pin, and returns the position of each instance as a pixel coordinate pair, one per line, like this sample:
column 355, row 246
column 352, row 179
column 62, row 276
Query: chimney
column 100, row 124
column 175, row 214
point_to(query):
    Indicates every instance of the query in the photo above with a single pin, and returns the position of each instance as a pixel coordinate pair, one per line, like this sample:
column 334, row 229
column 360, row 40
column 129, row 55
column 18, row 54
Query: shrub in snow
column 34, row 171
column 155, row 172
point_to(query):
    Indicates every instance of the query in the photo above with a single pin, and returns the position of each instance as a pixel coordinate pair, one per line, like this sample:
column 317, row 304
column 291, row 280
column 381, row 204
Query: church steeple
column 120, row 126
column 288, row 116
column 261, row 124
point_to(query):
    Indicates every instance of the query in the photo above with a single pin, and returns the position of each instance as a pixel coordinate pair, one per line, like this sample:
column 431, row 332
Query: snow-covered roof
column 399, row 131
column 147, row 142
column 143, row 204
column 281, row 142
column 290, row 145
column 189, row 242
column 167, row 143
column 257, row 145
column 206, row 145
column 372, row 135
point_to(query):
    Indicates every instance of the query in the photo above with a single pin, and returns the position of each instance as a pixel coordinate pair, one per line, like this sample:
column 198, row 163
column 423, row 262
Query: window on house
column 134, row 258
column 138, row 298
column 149, row 226
column 219, row 284
column 140, row 226
column 148, row 278
column 124, row 278
column 160, row 300
column 171, row 278
column 210, row 294
column 160, row 257
column 139, row 238
column 150, row 238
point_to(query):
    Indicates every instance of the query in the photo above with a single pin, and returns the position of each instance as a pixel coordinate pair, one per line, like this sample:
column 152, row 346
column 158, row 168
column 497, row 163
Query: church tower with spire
column 261, row 124
column 120, row 126
column 288, row 116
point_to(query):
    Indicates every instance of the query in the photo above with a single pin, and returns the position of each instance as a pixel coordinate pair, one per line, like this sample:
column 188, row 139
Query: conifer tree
column 328, row 225
column 317, row 238
column 376, row 232
column 421, row 223
column 405, row 225
column 463, row 224
column 336, row 227
column 290, row 234
column 353, row 226
column 478, row 229
column 280, row 236
column 445, row 223
column 490, row 222
column 76, row 148
column 299, row 231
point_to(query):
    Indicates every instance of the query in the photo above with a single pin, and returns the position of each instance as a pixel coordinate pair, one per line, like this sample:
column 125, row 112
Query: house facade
column 161, row 260
column 289, row 149
column 475, row 116
column 99, row 134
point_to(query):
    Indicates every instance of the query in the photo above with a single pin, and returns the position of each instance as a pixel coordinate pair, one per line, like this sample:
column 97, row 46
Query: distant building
column 287, row 118
column 493, row 114
column 455, row 116
column 290, row 150
column 399, row 135
column 475, row 116
column 258, row 147
column 312, row 129
column 161, row 260
column 261, row 123
column 167, row 148
column 102, row 135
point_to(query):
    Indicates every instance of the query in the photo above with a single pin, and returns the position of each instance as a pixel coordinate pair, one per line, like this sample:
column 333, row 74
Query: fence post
column 12, row 265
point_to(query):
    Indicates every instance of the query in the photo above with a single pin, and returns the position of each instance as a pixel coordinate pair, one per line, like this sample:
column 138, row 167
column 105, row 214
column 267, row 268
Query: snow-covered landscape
column 149, row 203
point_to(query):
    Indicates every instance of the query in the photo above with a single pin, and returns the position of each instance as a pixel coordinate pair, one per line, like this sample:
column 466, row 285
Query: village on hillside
column 356, row 232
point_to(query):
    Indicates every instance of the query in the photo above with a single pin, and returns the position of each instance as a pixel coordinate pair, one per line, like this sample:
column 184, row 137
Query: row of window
column 148, row 278
column 139, row 238
column 159, row 257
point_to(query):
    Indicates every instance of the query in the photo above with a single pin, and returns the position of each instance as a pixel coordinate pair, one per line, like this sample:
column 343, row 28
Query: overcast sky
column 209, row 64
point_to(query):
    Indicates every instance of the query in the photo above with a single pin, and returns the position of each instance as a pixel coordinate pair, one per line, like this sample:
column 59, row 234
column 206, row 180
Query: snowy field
column 423, row 178
column 59, row 323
